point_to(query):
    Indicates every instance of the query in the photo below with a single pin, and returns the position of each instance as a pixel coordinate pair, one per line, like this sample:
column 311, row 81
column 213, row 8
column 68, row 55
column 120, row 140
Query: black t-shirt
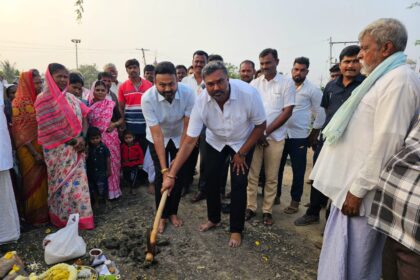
column 96, row 162
column 116, row 114
column 335, row 94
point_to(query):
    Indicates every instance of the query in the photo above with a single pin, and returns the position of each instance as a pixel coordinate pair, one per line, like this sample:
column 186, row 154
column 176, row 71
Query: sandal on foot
column 292, row 208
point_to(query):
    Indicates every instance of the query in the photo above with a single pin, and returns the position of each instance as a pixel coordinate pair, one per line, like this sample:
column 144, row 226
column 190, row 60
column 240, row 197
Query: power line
column 335, row 43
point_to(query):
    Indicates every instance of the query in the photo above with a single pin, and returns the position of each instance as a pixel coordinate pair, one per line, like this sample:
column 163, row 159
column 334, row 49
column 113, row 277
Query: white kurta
column 9, row 218
column 376, row 130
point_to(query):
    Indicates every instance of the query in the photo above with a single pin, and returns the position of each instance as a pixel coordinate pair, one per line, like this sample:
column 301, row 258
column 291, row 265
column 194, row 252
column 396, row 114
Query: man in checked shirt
column 396, row 211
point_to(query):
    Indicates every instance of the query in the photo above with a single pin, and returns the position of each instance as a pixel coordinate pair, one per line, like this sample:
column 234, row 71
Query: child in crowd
column 132, row 158
column 75, row 87
column 98, row 166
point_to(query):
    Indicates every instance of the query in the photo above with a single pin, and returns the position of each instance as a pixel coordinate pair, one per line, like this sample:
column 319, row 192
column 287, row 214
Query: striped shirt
column 396, row 205
column 131, row 97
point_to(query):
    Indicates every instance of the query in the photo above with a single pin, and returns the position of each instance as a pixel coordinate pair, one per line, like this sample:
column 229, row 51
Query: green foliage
column 414, row 4
column 79, row 10
column 233, row 70
column 9, row 71
column 90, row 74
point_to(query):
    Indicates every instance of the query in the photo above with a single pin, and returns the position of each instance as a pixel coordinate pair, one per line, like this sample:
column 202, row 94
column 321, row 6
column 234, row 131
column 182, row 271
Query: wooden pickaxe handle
column 158, row 216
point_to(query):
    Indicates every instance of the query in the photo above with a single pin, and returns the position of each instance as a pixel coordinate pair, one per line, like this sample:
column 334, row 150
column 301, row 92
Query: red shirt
column 131, row 155
column 128, row 94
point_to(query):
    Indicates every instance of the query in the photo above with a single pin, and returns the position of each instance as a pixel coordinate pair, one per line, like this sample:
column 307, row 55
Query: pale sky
column 35, row 33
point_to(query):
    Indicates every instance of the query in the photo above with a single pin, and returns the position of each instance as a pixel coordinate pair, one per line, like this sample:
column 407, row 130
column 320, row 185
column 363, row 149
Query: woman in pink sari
column 61, row 123
column 105, row 115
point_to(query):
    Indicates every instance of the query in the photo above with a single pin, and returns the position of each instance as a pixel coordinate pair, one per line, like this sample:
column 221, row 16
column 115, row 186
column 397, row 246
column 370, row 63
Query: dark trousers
column 98, row 184
column 317, row 198
column 297, row 149
column 190, row 166
column 398, row 262
column 203, row 151
column 141, row 139
column 171, row 207
column 214, row 171
column 132, row 175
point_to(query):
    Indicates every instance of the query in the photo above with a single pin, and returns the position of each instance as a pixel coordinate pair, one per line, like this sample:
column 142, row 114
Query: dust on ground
column 281, row 251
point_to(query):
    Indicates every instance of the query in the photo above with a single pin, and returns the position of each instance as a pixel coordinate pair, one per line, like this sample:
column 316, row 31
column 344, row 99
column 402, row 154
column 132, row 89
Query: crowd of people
column 74, row 148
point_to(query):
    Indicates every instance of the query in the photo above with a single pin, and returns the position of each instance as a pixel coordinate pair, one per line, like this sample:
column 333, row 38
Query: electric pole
column 76, row 41
column 335, row 43
column 144, row 57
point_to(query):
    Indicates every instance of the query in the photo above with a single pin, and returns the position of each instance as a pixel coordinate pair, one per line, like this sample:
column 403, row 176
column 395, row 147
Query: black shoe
column 199, row 196
column 249, row 214
column 225, row 208
column 185, row 191
column 307, row 220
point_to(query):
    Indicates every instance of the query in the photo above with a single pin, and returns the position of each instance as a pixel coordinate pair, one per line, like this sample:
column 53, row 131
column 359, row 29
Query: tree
column 233, row 70
column 9, row 71
column 79, row 10
column 90, row 74
column 414, row 4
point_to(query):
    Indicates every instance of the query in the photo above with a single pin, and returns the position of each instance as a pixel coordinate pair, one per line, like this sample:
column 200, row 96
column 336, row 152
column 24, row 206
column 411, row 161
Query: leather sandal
column 292, row 208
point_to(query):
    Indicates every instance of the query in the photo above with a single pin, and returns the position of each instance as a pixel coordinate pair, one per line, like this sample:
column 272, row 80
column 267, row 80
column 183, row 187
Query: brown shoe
column 199, row 196
column 268, row 219
column 292, row 208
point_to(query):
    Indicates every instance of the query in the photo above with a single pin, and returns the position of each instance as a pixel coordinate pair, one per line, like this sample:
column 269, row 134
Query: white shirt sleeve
column 257, row 109
column 393, row 114
column 289, row 94
column 195, row 124
column 317, row 110
column 147, row 109
column 190, row 103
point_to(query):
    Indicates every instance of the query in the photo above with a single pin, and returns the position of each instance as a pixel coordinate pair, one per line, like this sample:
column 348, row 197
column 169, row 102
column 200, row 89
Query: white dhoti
column 9, row 218
column 351, row 250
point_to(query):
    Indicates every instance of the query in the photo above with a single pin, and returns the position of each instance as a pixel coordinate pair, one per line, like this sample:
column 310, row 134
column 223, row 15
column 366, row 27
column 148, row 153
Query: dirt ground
column 282, row 251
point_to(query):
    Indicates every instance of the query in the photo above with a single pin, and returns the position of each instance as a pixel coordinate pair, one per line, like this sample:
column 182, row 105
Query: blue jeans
column 296, row 148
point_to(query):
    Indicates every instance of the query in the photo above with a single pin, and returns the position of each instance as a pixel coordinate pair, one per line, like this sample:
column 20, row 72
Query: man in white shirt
column 9, row 218
column 300, row 136
column 234, row 116
column 196, row 83
column 166, row 108
column 247, row 71
column 278, row 96
column 110, row 68
column 349, row 165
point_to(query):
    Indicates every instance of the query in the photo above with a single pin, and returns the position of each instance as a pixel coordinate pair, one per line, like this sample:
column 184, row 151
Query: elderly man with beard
column 167, row 107
column 361, row 137
column 234, row 116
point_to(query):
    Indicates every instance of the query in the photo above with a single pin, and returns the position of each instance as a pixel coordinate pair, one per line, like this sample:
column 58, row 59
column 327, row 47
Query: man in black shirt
column 336, row 92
